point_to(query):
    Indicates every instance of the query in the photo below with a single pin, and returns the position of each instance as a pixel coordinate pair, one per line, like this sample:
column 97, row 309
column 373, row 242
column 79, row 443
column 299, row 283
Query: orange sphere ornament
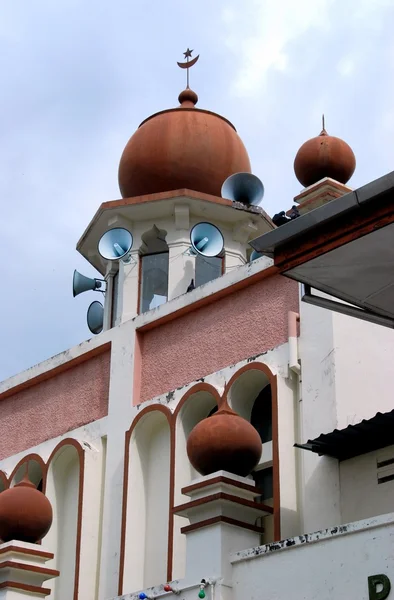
column 25, row 513
column 224, row 442
column 324, row 156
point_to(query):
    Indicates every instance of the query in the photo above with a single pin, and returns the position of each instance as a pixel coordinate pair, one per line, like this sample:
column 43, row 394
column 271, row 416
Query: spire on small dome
column 323, row 130
column 324, row 156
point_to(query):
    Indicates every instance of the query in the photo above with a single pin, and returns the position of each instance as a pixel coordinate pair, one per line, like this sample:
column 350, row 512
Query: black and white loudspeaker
column 95, row 317
column 81, row 284
column 255, row 255
column 243, row 187
column 206, row 239
column 116, row 244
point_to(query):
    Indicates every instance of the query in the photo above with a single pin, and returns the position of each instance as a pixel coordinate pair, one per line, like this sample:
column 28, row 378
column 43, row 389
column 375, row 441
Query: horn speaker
column 255, row 255
column 243, row 187
column 81, row 283
column 95, row 317
column 206, row 239
column 115, row 244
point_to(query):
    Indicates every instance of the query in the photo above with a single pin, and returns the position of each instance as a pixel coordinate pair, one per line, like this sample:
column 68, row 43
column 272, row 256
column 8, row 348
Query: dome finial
column 323, row 122
column 186, row 65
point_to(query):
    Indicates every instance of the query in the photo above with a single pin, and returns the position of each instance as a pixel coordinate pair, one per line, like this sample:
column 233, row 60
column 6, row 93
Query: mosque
column 219, row 437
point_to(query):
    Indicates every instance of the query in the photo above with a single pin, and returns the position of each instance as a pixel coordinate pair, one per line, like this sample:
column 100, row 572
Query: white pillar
column 181, row 267
column 23, row 572
column 222, row 514
column 128, row 288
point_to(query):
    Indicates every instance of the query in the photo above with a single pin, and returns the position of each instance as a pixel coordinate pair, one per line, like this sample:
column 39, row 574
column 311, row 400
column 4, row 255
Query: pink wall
column 242, row 324
column 52, row 407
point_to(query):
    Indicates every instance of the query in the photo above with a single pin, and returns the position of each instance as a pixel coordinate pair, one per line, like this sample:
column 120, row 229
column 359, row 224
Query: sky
column 79, row 77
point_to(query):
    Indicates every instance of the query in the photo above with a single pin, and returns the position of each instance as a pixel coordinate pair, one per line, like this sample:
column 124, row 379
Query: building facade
column 104, row 429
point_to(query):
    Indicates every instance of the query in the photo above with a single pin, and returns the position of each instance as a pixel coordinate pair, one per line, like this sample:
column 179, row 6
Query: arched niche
column 251, row 394
column 147, row 510
column 195, row 406
column 3, row 481
column 63, row 490
column 35, row 469
column 245, row 389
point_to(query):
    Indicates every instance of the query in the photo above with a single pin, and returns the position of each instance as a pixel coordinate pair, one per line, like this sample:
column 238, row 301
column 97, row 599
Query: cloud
column 260, row 33
column 79, row 77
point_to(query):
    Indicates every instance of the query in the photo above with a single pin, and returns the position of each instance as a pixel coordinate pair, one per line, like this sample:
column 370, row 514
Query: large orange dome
column 183, row 147
column 324, row 156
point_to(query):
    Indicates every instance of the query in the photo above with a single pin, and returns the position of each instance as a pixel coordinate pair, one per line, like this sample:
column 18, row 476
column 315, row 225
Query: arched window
column 207, row 269
column 261, row 417
column 154, row 269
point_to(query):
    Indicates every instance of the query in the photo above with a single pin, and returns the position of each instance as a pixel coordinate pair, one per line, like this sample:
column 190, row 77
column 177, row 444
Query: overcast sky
column 78, row 76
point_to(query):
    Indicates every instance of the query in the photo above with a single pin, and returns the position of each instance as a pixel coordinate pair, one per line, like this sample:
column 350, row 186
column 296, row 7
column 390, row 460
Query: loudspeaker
column 95, row 317
column 81, row 283
column 206, row 239
column 254, row 255
column 115, row 244
column 243, row 187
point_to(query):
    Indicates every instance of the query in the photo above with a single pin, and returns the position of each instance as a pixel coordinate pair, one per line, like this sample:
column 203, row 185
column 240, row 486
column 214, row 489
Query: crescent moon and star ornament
column 188, row 63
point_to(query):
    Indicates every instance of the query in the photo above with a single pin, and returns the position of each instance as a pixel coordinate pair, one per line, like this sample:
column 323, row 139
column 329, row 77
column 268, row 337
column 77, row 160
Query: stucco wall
column 363, row 369
column 52, row 407
column 329, row 564
column 245, row 323
column 361, row 494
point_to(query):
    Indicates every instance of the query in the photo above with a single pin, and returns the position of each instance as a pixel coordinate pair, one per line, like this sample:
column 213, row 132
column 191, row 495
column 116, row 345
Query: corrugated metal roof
column 353, row 440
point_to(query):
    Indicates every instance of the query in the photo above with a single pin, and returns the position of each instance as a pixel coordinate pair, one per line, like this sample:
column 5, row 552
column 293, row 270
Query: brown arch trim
column 45, row 467
column 198, row 387
column 37, row 458
column 257, row 366
column 81, row 456
column 167, row 413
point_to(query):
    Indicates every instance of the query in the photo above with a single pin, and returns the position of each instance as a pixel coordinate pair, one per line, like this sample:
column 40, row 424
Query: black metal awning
column 354, row 440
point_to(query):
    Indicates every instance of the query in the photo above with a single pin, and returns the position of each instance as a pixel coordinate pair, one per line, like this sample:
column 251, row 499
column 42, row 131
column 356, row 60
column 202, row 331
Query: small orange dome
column 25, row 513
column 324, row 156
column 224, row 442
column 182, row 147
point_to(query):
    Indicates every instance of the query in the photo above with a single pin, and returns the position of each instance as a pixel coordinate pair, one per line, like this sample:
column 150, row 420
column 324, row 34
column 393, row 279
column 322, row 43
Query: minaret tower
column 170, row 177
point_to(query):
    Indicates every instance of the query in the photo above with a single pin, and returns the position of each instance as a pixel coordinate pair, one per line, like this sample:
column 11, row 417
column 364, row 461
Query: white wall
column 364, row 369
column 326, row 565
column 361, row 494
column 346, row 377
